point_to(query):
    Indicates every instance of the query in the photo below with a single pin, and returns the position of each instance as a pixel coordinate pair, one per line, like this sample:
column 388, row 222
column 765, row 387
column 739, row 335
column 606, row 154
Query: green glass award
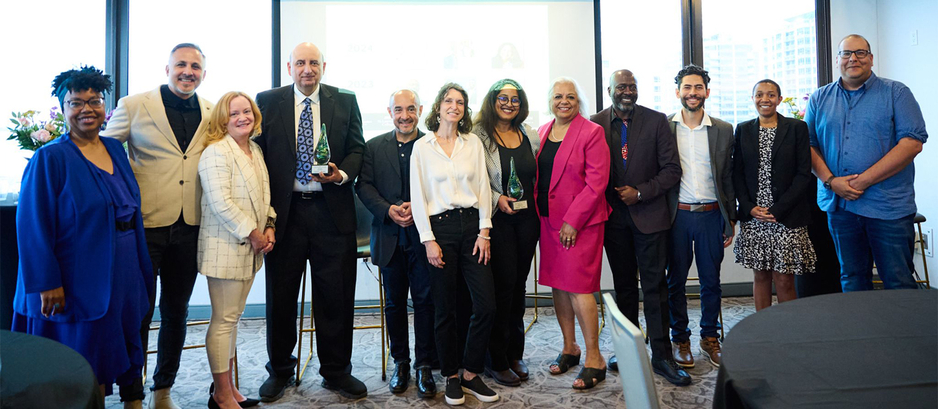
column 322, row 154
column 515, row 190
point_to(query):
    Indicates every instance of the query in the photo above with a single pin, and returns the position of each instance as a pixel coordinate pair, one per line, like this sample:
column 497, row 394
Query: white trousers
column 221, row 340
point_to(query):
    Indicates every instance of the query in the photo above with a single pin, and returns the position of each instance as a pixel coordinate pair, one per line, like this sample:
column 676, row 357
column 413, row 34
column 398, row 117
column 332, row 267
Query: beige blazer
column 236, row 201
column 168, row 177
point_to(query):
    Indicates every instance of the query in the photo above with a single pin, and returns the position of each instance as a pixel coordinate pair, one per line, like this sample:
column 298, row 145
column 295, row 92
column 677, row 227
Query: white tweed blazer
column 235, row 201
column 493, row 161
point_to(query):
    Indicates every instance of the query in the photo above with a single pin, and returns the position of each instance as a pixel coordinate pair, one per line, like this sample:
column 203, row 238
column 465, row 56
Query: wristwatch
column 827, row 183
column 639, row 196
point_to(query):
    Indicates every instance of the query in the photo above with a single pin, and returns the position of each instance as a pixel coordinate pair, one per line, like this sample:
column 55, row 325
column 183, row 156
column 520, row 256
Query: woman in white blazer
column 237, row 229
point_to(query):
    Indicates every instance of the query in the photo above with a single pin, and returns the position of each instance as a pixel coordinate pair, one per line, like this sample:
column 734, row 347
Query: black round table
column 38, row 372
column 871, row 349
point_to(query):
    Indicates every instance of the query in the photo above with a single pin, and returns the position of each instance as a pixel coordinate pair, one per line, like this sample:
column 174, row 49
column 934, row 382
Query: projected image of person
column 510, row 149
column 451, row 203
column 84, row 272
column 507, row 57
column 572, row 175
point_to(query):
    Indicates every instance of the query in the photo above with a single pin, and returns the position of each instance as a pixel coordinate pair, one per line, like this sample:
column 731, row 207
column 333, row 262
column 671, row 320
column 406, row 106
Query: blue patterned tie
column 305, row 144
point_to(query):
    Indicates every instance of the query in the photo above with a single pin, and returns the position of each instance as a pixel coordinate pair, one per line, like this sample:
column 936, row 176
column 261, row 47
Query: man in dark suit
column 384, row 188
column 315, row 221
column 703, row 210
column 644, row 166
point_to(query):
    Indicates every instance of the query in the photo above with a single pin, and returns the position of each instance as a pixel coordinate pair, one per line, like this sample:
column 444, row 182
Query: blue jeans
column 701, row 232
column 862, row 240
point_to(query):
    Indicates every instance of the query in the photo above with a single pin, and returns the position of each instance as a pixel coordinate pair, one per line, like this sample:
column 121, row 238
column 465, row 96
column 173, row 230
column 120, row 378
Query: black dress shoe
column 347, row 386
column 399, row 378
column 273, row 388
column 519, row 368
column 246, row 403
column 506, row 377
column 671, row 371
column 613, row 364
column 426, row 385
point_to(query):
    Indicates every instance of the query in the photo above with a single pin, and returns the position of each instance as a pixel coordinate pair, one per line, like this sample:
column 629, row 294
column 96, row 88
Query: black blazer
column 654, row 166
column 791, row 171
column 340, row 113
column 378, row 187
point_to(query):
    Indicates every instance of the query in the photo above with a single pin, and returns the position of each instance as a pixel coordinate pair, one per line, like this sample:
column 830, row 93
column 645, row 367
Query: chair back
column 635, row 373
column 363, row 219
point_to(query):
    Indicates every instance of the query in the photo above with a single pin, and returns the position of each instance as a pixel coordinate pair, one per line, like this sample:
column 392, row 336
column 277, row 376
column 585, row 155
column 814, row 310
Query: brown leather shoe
column 710, row 346
column 682, row 354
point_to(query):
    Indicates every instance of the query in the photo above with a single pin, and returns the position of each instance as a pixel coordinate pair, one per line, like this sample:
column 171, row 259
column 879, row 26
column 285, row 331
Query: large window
column 234, row 35
column 645, row 38
column 40, row 40
column 745, row 41
column 375, row 48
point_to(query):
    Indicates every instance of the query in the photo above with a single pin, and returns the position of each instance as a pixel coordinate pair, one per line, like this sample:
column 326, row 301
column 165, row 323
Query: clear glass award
column 322, row 154
column 515, row 190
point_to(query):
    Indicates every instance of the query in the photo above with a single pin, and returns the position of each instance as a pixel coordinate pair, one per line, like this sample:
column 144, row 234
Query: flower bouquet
column 31, row 133
column 794, row 107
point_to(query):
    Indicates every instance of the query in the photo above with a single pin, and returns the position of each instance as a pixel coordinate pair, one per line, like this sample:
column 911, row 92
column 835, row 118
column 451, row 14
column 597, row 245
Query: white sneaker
column 161, row 399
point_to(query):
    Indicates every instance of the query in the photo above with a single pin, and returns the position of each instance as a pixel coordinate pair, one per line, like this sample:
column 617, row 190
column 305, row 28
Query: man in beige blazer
column 163, row 129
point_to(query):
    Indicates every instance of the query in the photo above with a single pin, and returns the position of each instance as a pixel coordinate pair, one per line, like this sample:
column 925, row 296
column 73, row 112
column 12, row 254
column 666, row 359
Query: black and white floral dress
column 772, row 246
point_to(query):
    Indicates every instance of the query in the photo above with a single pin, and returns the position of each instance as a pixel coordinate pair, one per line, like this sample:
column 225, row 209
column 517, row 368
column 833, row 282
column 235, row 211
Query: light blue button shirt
column 854, row 130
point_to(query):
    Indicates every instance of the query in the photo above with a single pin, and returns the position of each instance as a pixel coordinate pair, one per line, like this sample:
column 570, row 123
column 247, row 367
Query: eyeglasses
column 504, row 100
column 861, row 54
column 80, row 103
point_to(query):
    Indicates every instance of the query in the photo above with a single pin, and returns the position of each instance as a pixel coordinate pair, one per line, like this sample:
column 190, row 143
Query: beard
column 694, row 109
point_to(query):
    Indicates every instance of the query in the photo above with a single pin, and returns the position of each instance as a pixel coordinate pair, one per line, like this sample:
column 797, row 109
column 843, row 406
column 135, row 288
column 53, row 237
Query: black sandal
column 563, row 363
column 587, row 375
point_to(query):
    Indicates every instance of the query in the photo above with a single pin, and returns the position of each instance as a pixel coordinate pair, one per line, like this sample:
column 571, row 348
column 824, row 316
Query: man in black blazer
column 644, row 166
column 315, row 221
column 384, row 188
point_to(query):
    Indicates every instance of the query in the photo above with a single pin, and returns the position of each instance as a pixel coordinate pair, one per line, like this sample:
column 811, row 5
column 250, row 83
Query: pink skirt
column 574, row 270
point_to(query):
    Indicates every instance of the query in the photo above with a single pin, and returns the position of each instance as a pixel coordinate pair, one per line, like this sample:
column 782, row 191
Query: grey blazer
column 720, row 136
column 493, row 161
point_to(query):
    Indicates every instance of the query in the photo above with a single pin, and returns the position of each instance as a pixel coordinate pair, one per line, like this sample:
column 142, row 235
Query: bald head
column 405, row 109
column 623, row 90
column 856, row 37
column 307, row 67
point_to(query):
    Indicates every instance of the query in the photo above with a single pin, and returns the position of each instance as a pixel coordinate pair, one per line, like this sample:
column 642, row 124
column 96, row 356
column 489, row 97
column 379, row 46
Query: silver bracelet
column 483, row 237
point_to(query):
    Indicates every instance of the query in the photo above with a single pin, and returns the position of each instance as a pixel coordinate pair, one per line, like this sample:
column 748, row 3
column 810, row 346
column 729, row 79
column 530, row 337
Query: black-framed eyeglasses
column 845, row 54
column 80, row 103
column 504, row 100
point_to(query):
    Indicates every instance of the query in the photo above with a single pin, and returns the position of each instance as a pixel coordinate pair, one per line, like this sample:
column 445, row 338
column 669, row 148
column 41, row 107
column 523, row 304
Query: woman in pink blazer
column 572, row 174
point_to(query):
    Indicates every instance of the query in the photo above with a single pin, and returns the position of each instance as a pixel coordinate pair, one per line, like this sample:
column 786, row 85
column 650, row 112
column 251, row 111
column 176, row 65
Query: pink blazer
column 579, row 177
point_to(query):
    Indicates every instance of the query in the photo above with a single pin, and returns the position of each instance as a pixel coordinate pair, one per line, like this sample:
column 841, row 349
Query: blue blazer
column 66, row 233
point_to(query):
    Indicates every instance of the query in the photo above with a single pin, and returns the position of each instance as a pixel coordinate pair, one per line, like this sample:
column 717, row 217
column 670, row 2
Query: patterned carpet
column 541, row 391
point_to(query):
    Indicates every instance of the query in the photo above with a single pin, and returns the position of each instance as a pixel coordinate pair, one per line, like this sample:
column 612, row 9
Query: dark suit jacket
column 653, row 166
column 791, row 171
column 379, row 186
column 339, row 111
column 720, row 136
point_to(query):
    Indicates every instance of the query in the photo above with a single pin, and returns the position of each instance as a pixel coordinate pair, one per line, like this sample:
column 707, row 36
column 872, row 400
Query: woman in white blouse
column 236, row 231
column 452, row 207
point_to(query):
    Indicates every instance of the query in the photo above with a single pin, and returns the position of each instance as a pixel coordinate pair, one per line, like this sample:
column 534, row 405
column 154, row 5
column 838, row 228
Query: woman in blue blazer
column 84, row 271
column 771, row 176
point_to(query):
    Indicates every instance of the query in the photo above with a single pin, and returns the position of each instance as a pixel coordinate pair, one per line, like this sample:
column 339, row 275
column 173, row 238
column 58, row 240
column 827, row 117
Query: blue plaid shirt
column 854, row 130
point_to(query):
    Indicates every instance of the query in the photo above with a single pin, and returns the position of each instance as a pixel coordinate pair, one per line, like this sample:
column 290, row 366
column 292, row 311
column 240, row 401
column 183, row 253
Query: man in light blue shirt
column 865, row 132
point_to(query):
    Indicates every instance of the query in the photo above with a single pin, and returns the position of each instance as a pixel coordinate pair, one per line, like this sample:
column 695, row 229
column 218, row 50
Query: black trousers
column 311, row 234
column 633, row 255
column 173, row 252
column 408, row 270
column 514, row 238
column 456, row 233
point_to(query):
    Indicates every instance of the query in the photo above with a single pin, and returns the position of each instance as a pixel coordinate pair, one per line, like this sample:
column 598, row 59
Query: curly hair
column 433, row 117
column 218, row 122
column 487, row 117
column 692, row 69
column 84, row 78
